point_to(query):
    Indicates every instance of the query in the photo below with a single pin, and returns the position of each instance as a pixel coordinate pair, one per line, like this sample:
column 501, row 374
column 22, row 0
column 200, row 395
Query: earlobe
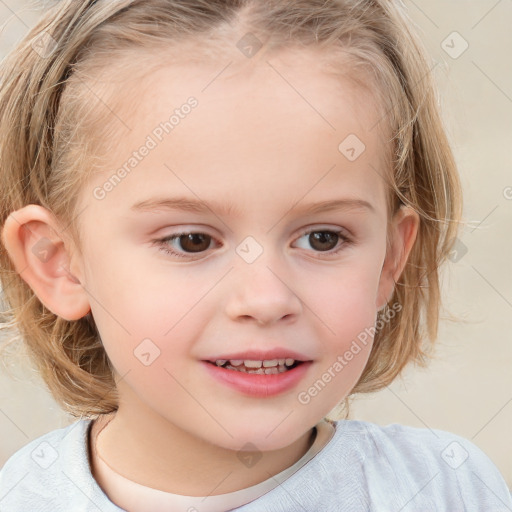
column 404, row 230
column 39, row 254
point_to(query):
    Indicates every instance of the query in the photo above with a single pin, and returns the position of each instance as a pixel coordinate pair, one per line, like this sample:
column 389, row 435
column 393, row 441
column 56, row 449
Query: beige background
column 468, row 389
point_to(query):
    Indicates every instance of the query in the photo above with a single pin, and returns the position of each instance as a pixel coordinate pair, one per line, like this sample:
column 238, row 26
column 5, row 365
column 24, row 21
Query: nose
column 261, row 295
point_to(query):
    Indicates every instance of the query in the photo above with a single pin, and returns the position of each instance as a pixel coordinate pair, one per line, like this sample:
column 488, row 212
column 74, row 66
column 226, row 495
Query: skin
column 253, row 141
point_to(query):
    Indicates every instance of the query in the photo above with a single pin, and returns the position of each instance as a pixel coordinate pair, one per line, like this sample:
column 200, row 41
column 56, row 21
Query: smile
column 256, row 378
column 267, row 367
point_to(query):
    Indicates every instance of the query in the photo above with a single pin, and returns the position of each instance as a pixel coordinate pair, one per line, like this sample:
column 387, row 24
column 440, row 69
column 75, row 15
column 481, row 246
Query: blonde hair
column 51, row 129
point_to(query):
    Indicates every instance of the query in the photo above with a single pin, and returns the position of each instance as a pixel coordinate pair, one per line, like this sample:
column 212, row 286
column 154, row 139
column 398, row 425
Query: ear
column 40, row 252
column 403, row 231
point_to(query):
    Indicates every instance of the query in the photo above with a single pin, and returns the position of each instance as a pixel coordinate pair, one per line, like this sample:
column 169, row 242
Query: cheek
column 140, row 310
column 347, row 314
column 347, row 310
column 346, row 301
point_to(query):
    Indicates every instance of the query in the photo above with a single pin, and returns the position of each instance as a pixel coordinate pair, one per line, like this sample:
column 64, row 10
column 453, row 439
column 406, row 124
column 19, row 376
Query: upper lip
column 262, row 355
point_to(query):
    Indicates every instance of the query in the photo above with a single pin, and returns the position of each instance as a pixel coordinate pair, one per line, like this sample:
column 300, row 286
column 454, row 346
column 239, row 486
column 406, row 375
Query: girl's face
column 277, row 171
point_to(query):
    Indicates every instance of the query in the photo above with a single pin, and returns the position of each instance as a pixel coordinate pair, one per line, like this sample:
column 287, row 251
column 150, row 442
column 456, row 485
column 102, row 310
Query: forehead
column 311, row 83
column 260, row 124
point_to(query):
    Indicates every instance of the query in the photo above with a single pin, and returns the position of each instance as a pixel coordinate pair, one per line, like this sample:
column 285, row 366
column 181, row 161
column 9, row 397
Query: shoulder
column 50, row 472
column 446, row 468
column 40, row 454
column 435, row 447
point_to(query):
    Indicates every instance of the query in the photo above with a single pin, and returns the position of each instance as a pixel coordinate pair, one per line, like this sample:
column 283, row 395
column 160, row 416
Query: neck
column 167, row 458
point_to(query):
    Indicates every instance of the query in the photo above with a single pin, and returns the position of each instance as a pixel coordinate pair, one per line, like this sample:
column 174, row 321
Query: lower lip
column 259, row 385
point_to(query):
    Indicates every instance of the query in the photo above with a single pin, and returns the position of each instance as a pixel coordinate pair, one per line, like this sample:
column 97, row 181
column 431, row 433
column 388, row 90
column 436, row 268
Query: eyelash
column 163, row 243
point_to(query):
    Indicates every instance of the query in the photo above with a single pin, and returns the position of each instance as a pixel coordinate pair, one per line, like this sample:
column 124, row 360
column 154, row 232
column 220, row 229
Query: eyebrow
column 191, row 205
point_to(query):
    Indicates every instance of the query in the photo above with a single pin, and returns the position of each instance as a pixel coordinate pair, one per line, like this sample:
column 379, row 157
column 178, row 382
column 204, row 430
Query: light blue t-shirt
column 364, row 467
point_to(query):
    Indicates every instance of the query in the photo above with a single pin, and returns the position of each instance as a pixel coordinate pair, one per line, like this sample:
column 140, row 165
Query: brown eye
column 194, row 242
column 323, row 240
column 327, row 241
column 186, row 245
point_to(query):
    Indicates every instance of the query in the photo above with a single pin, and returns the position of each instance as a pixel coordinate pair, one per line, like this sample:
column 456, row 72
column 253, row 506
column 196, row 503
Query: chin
column 263, row 435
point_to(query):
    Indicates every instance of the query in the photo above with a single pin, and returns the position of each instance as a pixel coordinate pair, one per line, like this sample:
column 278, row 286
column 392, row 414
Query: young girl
column 220, row 220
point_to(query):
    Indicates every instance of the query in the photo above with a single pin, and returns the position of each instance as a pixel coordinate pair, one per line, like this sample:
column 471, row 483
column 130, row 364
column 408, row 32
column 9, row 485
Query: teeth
column 259, row 371
column 269, row 366
column 252, row 364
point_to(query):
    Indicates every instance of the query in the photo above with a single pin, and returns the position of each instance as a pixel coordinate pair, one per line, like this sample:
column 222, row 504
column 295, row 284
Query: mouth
column 269, row 376
column 257, row 367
